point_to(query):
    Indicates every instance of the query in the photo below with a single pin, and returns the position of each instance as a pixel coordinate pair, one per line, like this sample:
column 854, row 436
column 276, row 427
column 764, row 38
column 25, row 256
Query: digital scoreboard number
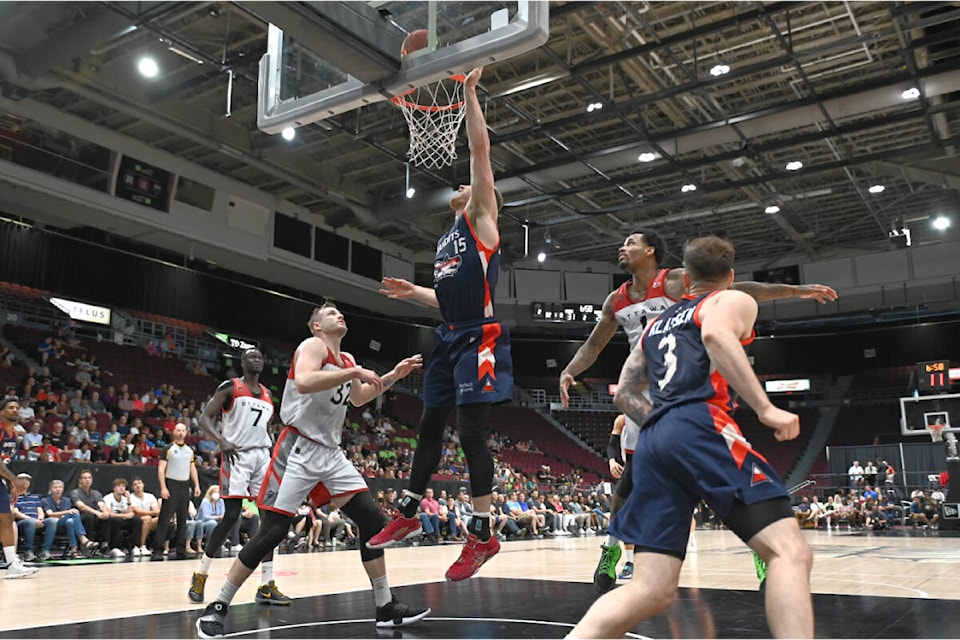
column 933, row 375
column 563, row 312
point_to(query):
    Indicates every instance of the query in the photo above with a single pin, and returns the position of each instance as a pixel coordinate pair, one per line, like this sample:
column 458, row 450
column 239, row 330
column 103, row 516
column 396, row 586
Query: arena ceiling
column 816, row 82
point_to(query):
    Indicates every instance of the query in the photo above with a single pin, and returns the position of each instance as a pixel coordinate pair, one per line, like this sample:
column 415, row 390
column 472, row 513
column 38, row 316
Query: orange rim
column 400, row 100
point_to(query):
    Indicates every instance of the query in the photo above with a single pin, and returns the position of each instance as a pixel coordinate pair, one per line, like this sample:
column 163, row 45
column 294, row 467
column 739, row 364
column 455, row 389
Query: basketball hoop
column 434, row 113
column 936, row 431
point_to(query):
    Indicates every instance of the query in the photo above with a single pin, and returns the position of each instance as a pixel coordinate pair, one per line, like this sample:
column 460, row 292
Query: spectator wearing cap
column 28, row 515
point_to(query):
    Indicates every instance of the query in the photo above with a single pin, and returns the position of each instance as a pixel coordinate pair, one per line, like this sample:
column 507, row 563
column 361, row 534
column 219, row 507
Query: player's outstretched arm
column 483, row 201
column 633, row 381
column 361, row 394
column 400, row 289
column 726, row 319
column 771, row 291
column 587, row 353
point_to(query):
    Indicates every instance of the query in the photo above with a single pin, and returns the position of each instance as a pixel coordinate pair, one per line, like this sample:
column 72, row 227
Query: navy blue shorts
column 4, row 497
column 693, row 451
column 469, row 363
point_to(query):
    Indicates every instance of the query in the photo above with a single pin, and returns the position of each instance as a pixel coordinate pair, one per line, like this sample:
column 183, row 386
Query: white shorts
column 300, row 468
column 242, row 477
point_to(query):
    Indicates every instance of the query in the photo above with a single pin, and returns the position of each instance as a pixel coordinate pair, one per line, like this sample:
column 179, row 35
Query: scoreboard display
column 566, row 312
column 933, row 375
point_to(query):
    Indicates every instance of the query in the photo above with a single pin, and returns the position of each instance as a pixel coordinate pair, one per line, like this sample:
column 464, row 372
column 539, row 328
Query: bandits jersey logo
column 758, row 476
column 446, row 268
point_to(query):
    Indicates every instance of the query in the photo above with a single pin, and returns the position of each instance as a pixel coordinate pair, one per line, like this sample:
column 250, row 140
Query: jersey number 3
column 669, row 359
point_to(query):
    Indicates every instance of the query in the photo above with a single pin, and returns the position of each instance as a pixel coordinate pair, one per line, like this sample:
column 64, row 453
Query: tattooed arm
column 633, row 381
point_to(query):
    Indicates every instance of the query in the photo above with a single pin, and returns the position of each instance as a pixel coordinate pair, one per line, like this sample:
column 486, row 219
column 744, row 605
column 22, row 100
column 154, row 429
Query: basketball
column 414, row 41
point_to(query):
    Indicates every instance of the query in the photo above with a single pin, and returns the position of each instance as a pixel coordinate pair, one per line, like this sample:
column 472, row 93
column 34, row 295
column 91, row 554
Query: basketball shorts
column 4, row 497
column 469, row 363
column 301, row 468
column 242, row 477
column 693, row 451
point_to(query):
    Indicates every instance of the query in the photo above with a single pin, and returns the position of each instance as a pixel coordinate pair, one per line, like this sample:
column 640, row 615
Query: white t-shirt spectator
column 116, row 506
column 148, row 502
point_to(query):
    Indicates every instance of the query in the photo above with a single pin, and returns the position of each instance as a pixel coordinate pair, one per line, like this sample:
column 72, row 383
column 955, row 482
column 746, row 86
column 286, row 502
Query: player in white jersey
column 307, row 461
column 245, row 408
column 649, row 292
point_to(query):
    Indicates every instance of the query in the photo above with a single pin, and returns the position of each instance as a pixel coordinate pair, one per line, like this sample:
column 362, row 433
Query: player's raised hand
column 786, row 425
column 406, row 366
column 473, row 78
column 397, row 288
column 819, row 292
column 566, row 380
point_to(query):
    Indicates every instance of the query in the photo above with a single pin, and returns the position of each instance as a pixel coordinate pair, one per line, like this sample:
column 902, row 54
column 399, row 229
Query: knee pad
column 364, row 511
column 274, row 529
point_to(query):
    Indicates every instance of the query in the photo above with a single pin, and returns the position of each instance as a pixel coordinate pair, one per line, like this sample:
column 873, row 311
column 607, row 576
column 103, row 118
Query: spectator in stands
column 28, row 515
column 121, row 453
column 888, row 510
column 6, row 358
column 93, row 515
column 27, row 411
column 33, row 438
column 83, row 453
column 429, row 515
column 931, row 508
column 456, row 528
column 46, row 349
column 870, row 473
column 62, row 516
column 125, row 403
column 525, row 519
column 58, row 437
column 112, row 438
column 855, row 474
column 890, row 475
column 110, row 399
column 464, row 507
column 211, row 511
column 83, row 377
column 96, row 404
column 332, row 525
column 869, row 493
column 48, row 452
column 125, row 525
column 581, row 521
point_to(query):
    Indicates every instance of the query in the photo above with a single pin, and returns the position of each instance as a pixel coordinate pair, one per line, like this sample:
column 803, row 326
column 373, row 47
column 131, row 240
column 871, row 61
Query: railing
column 828, row 484
column 32, row 154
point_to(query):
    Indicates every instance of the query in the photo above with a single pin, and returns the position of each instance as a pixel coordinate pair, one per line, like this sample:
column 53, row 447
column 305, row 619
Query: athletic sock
column 205, row 561
column 612, row 540
column 266, row 572
column 480, row 527
column 227, row 592
column 10, row 553
column 381, row 590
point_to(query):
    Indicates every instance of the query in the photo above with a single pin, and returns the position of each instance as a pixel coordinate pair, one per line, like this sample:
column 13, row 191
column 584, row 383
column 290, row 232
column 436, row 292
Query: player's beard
column 623, row 263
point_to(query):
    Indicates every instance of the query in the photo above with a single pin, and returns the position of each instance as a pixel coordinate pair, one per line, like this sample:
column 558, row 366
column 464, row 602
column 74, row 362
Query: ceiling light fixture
column 688, row 187
column 541, row 256
column 794, row 165
column 877, row 188
column 148, row 67
column 648, row 157
column 719, row 69
column 910, row 94
column 185, row 54
column 941, row 223
column 772, row 209
column 594, row 106
column 289, row 133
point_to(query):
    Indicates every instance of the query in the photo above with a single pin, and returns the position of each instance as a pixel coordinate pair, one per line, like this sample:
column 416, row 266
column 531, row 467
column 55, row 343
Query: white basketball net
column 936, row 432
column 434, row 113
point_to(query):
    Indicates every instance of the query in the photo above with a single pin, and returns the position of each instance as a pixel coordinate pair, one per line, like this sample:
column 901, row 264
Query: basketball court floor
column 902, row 584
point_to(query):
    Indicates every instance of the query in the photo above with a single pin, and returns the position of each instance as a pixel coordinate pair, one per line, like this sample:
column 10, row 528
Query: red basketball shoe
column 397, row 530
column 474, row 554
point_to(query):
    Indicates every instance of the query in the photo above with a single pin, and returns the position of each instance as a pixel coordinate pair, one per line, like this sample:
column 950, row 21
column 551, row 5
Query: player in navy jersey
column 10, row 487
column 470, row 365
column 689, row 448
column 650, row 291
